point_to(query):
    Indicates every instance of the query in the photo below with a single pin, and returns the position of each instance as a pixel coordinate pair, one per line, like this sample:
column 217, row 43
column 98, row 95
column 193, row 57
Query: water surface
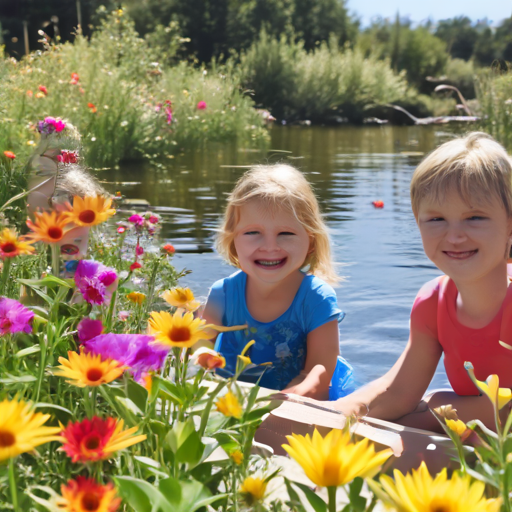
column 379, row 249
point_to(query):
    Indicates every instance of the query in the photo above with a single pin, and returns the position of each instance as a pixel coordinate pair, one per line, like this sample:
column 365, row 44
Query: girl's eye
column 252, row 233
column 435, row 219
column 287, row 233
column 477, row 217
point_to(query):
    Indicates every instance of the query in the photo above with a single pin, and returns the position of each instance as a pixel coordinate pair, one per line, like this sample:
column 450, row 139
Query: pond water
column 349, row 167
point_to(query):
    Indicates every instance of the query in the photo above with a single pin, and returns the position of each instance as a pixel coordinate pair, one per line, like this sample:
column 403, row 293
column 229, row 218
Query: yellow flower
column 447, row 412
column 88, row 369
column 48, row 227
column 181, row 298
column 90, row 211
column 491, row 387
column 208, row 359
column 229, row 405
column 458, row 426
column 335, row 459
column 253, row 489
column 21, row 429
column 136, row 297
column 11, row 245
column 183, row 330
column 418, row 492
column 246, row 360
column 237, row 456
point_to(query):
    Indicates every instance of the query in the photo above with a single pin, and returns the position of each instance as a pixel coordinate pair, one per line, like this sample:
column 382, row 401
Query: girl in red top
column 462, row 201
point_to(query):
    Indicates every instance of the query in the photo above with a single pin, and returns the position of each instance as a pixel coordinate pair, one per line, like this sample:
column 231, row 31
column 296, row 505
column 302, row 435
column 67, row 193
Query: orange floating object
column 378, row 204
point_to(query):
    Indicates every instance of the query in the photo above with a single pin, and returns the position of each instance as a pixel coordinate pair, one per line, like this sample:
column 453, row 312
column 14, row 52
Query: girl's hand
column 314, row 385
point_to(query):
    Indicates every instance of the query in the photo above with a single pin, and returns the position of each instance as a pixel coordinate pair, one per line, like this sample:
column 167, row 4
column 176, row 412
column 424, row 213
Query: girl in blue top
column 274, row 233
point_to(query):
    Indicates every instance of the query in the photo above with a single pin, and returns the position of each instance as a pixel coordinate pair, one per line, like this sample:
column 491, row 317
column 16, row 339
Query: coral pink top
column 435, row 312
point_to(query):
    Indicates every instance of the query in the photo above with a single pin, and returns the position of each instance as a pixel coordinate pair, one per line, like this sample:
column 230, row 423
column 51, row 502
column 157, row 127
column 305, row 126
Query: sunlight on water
column 349, row 167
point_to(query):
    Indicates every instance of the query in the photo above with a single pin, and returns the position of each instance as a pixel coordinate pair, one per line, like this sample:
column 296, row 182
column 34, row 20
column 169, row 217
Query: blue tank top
column 283, row 342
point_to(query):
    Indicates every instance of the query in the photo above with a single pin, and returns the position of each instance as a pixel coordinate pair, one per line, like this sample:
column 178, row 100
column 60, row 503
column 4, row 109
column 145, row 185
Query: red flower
column 201, row 105
column 169, row 249
column 67, row 157
column 43, row 89
column 97, row 439
column 74, row 78
column 378, row 204
column 135, row 265
column 121, row 230
column 85, row 494
column 92, row 107
column 10, row 155
column 153, row 219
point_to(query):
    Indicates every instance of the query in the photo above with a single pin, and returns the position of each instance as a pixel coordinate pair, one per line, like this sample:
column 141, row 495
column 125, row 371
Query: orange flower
column 30, row 93
column 74, row 78
column 97, row 439
column 87, row 495
column 92, row 107
column 48, row 227
column 208, row 358
column 10, row 155
column 11, row 245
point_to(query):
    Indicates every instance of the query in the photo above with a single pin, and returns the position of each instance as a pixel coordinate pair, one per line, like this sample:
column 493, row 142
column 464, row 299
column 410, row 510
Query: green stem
column 42, row 365
column 331, row 492
column 5, row 274
column 151, row 285
column 12, row 484
column 55, row 259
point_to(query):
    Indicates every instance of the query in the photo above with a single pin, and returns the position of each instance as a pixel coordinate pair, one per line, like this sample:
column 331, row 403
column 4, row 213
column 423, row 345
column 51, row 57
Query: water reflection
column 349, row 167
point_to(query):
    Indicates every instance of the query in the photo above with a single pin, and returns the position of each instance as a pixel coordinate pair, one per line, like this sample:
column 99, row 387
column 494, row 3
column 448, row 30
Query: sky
column 421, row 10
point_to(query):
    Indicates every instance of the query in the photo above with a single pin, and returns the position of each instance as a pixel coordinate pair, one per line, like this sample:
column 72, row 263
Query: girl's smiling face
column 270, row 245
column 465, row 241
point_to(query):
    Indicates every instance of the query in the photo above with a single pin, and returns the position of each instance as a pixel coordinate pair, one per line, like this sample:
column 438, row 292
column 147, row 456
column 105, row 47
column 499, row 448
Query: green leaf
column 147, row 461
column 48, row 281
column 14, row 379
column 315, row 501
column 43, row 405
column 27, row 351
column 170, row 391
column 130, row 405
column 357, row 501
column 294, row 497
column 185, row 442
column 141, row 495
column 137, row 394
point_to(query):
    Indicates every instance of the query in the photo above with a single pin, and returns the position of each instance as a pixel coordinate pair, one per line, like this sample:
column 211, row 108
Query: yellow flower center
column 87, row 216
column 182, row 296
column 94, row 374
column 55, row 233
column 8, row 247
column 90, row 502
column 7, row 439
column 179, row 334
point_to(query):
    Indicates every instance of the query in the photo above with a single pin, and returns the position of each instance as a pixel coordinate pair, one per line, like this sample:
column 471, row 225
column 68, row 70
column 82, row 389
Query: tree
column 459, row 35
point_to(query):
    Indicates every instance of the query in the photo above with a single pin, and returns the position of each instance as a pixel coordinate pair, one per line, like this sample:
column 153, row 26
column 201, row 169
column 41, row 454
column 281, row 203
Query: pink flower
column 201, row 105
column 153, row 219
column 14, row 317
column 74, row 78
column 88, row 329
column 135, row 265
column 92, row 279
column 121, row 230
column 50, row 125
column 136, row 219
column 139, row 251
column 123, row 315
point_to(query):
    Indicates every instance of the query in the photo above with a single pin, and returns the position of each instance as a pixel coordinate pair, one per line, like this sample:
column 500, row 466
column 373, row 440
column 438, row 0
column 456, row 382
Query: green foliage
column 318, row 85
column 460, row 36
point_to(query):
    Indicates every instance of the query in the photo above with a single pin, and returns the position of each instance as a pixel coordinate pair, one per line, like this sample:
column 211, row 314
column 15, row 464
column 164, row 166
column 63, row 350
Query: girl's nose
column 455, row 234
column 270, row 243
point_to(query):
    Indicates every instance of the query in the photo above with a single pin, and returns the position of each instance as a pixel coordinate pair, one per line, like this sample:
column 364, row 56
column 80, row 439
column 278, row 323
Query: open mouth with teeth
column 270, row 264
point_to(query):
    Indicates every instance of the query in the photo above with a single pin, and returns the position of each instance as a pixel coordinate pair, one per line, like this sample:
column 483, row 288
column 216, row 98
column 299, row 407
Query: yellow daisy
column 90, row 211
column 21, row 429
column 229, row 405
column 418, row 491
column 48, row 227
column 237, row 457
column 136, row 297
column 11, row 245
column 253, row 489
column 181, row 298
column 335, row 459
column 88, row 369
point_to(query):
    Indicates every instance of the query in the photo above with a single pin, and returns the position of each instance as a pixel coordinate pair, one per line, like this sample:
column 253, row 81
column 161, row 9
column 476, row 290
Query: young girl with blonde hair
column 274, row 233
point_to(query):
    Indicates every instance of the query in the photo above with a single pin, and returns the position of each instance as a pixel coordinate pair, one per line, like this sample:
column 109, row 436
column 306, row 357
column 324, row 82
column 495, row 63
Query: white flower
column 282, row 350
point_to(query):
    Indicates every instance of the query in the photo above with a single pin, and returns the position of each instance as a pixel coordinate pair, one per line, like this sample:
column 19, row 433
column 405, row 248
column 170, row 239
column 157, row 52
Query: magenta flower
column 136, row 219
column 51, row 125
column 139, row 251
column 201, row 105
column 153, row 219
column 88, row 329
column 136, row 351
column 14, row 317
column 92, row 279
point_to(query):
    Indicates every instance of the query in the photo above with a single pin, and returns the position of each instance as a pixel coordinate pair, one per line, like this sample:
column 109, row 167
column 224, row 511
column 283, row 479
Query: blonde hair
column 279, row 186
column 476, row 165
